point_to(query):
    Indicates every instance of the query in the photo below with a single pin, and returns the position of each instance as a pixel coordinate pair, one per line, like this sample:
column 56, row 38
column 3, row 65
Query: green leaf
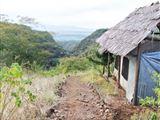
column 28, row 81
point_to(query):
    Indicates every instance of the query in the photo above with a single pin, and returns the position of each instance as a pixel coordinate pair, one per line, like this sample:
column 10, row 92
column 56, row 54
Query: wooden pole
column 108, row 65
column 135, row 99
column 119, row 71
column 103, row 69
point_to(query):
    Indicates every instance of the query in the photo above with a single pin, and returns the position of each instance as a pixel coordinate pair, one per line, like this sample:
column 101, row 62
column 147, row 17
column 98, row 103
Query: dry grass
column 104, row 87
column 45, row 88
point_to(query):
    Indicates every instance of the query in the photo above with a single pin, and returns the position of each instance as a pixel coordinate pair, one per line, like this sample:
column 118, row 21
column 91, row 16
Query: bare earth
column 80, row 101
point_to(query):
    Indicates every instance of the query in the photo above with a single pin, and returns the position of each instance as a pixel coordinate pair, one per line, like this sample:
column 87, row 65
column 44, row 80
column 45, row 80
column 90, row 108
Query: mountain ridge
column 89, row 41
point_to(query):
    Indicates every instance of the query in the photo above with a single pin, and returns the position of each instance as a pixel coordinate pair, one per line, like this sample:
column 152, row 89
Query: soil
column 81, row 101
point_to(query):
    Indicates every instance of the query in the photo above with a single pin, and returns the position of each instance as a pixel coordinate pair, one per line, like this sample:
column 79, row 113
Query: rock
column 101, row 110
column 104, row 118
column 55, row 118
column 105, row 106
column 91, row 116
column 102, row 103
column 55, row 111
column 65, row 109
column 50, row 112
column 107, row 111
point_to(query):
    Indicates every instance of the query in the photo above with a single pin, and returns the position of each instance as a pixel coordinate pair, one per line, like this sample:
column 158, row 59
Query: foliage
column 153, row 116
column 21, row 44
column 27, row 20
column 84, row 62
column 147, row 114
column 104, row 59
column 72, row 65
column 148, row 101
column 13, row 91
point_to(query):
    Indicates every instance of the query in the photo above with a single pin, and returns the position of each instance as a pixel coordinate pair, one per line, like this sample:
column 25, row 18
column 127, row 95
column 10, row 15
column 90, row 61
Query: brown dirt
column 80, row 101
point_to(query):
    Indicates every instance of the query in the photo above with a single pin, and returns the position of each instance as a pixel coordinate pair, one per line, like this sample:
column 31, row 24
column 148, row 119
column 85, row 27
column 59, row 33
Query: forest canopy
column 19, row 43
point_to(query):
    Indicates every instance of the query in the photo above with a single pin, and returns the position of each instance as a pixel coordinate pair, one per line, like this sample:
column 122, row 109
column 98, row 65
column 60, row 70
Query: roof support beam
column 135, row 99
column 119, row 71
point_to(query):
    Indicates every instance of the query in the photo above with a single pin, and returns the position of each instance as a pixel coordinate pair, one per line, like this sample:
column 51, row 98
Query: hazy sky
column 81, row 13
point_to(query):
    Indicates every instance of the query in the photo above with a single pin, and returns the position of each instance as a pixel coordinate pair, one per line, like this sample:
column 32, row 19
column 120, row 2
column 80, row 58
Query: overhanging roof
column 126, row 35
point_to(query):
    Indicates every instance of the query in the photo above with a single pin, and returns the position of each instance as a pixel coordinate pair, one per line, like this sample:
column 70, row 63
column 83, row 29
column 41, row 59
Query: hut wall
column 131, row 78
column 129, row 84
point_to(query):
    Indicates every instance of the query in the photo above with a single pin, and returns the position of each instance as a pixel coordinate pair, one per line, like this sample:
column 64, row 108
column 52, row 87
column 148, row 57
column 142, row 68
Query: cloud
column 85, row 13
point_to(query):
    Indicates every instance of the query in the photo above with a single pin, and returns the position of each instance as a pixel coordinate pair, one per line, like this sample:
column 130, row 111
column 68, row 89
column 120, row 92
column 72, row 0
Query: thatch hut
column 136, row 43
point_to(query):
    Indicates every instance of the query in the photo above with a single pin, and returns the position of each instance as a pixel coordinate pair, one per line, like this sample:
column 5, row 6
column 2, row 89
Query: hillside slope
column 19, row 43
column 68, row 45
column 88, row 41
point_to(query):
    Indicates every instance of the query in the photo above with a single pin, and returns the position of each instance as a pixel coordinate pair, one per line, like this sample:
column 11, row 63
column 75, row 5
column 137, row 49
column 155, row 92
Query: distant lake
column 70, row 36
column 64, row 33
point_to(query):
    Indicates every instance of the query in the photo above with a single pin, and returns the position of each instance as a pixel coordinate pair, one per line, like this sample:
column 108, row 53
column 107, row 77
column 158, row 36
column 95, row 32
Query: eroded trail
column 80, row 101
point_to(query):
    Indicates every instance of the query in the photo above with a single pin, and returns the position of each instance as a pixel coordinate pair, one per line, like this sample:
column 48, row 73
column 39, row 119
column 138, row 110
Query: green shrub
column 148, row 101
column 154, row 116
column 13, row 91
column 147, row 114
column 72, row 65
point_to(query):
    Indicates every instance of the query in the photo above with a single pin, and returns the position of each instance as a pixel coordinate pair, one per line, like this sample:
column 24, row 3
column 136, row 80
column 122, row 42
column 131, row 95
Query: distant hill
column 87, row 42
column 19, row 43
column 68, row 45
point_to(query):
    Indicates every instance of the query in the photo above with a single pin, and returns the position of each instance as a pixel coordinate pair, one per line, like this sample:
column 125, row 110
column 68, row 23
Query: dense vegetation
column 73, row 65
column 87, row 58
column 23, row 45
column 87, row 42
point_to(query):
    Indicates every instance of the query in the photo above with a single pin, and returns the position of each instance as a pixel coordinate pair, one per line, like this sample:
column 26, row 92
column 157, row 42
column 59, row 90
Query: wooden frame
column 135, row 99
column 119, row 71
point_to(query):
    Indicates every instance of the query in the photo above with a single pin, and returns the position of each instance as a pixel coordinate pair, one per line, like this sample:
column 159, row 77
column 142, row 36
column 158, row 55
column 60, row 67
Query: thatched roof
column 126, row 35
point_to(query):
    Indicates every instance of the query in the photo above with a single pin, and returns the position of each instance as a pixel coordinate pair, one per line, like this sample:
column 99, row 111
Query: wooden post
column 135, row 99
column 108, row 65
column 103, row 69
column 119, row 71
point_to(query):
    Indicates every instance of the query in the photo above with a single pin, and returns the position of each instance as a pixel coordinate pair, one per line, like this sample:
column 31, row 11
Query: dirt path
column 80, row 101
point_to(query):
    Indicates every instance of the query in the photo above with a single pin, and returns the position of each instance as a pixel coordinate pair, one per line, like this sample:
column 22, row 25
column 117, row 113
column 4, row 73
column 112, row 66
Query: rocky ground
column 81, row 101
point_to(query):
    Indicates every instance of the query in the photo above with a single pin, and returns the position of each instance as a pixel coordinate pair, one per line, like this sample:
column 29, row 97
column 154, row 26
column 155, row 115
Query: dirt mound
column 80, row 101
